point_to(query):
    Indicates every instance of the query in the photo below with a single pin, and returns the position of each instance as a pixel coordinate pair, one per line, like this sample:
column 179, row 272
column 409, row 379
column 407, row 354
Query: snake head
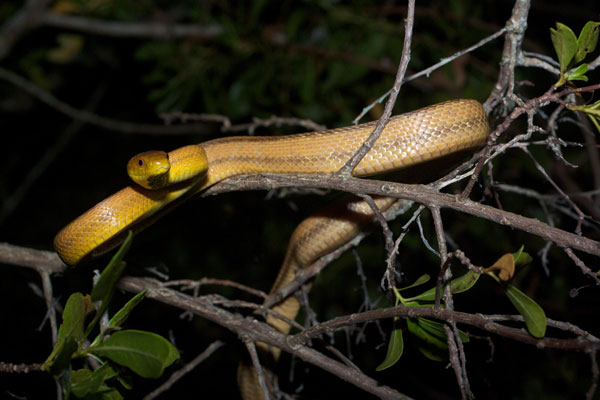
column 150, row 169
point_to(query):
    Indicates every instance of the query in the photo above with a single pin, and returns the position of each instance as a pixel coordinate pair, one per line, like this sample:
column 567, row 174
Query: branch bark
column 151, row 30
column 257, row 332
column 418, row 193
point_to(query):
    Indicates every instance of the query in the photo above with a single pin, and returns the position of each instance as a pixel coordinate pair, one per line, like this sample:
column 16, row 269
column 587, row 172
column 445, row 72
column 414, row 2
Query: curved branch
column 93, row 119
column 26, row 19
column 257, row 332
column 153, row 30
column 515, row 31
column 477, row 320
column 40, row 260
column 418, row 193
column 347, row 169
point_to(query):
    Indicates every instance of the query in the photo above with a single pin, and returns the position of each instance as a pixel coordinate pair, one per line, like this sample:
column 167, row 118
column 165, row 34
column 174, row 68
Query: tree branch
column 26, row 19
column 257, row 332
column 153, row 30
column 416, row 193
column 480, row 321
column 347, row 169
column 93, row 119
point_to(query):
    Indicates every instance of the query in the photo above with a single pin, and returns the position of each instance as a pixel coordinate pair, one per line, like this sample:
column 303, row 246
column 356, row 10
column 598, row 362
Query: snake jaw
column 150, row 169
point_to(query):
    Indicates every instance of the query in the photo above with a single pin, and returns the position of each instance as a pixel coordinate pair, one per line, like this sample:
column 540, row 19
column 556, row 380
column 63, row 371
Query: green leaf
column 84, row 381
column 173, row 354
column 437, row 329
column 418, row 331
column 565, row 45
column 596, row 122
column 595, row 105
column 535, row 318
column 74, row 317
column 433, row 327
column 429, row 353
column 458, row 285
column 587, row 40
column 105, row 286
column 578, row 74
column 591, row 110
column 420, row 280
column 580, row 70
column 434, row 336
column 145, row 353
column 577, row 78
column 394, row 350
column 71, row 329
column 522, row 258
column 126, row 381
column 121, row 316
column 111, row 394
column 78, row 377
column 60, row 358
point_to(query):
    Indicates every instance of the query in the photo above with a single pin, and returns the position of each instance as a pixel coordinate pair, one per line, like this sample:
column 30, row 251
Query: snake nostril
column 140, row 162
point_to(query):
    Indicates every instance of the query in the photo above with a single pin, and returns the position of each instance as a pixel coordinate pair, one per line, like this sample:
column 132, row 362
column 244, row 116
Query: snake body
column 407, row 139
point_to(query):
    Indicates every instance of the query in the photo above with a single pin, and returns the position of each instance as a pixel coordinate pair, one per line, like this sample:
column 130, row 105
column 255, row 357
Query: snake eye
column 140, row 162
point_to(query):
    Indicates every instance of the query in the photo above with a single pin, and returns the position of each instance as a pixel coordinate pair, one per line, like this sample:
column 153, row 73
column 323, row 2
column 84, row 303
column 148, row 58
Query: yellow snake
column 407, row 139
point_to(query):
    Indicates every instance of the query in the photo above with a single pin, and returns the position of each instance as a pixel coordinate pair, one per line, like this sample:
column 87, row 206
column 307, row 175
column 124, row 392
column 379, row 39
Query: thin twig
column 455, row 362
column 441, row 280
column 250, row 127
column 251, row 347
column 119, row 29
column 515, row 32
column 595, row 375
column 256, row 332
column 388, row 277
column 424, row 239
column 26, row 19
column 192, row 284
column 584, row 268
column 11, row 202
column 476, row 320
column 581, row 215
column 177, row 375
column 49, row 297
column 93, row 119
column 421, row 194
column 528, row 59
column 347, row 169
column 40, row 260
column 309, row 272
column 258, row 308
column 8, row 368
column 429, row 70
column 387, row 232
column 367, row 303
column 526, row 108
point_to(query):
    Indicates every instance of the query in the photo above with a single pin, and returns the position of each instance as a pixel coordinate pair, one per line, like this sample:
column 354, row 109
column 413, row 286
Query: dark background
column 321, row 60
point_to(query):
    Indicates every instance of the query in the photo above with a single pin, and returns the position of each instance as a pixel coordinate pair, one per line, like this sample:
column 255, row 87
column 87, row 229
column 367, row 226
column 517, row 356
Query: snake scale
column 408, row 139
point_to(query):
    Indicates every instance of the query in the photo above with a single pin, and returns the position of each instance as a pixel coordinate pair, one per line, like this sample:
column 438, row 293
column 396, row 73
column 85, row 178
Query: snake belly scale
column 407, row 139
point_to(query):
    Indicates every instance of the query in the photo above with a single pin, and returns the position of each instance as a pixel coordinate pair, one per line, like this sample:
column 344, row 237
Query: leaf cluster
column 572, row 50
column 431, row 336
column 145, row 353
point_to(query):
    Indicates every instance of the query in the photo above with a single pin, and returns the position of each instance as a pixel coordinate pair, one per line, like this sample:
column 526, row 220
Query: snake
column 164, row 180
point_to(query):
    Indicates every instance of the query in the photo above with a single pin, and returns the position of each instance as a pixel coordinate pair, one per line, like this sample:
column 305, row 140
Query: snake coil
column 407, row 139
